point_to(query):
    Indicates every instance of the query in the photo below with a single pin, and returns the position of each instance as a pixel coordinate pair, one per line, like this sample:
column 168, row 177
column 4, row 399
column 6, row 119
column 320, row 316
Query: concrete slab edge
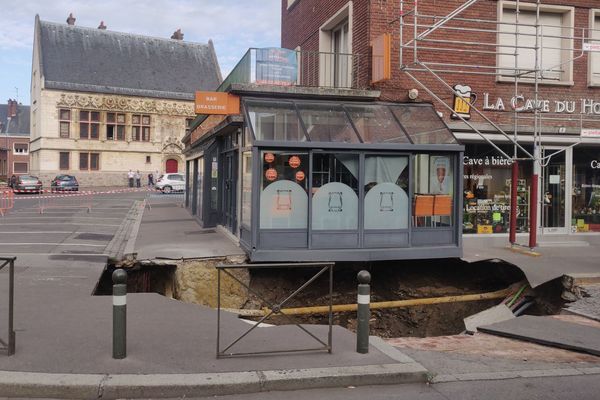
column 96, row 386
column 131, row 239
column 500, row 375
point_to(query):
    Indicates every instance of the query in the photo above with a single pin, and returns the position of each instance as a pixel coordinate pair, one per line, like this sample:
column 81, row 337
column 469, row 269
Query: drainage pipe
column 499, row 294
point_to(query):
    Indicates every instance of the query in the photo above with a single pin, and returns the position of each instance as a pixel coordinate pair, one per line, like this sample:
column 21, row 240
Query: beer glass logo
column 463, row 99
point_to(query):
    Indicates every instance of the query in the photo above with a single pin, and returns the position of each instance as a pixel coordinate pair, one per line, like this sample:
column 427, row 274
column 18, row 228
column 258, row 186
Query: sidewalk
column 64, row 342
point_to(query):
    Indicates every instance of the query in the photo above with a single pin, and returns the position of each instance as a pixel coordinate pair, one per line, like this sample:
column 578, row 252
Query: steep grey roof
column 95, row 60
column 19, row 125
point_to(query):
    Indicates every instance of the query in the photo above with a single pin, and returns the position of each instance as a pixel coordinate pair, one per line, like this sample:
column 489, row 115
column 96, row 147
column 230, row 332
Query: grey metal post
column 364, row 312
column 11, row 306
column 119, row 278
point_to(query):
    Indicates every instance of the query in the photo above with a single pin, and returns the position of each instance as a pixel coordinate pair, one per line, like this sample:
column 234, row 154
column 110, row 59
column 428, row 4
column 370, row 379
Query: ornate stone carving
column 116, row 103
column 172, row 145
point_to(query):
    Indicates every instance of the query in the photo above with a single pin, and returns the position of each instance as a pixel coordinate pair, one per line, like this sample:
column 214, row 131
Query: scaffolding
column 431, row 44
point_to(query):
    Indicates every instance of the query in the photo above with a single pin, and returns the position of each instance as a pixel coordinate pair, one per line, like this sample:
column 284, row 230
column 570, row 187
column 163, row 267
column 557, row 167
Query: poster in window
column 440, row 176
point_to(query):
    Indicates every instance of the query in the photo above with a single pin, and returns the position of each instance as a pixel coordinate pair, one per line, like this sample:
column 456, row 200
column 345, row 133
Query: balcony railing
column 283, row 67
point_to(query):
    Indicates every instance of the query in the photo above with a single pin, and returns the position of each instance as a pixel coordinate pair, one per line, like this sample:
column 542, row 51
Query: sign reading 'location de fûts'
column 217, row 103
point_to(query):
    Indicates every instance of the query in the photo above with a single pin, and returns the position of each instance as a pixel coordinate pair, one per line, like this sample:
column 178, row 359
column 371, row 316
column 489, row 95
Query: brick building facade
column 14, row 139
column 476, row 50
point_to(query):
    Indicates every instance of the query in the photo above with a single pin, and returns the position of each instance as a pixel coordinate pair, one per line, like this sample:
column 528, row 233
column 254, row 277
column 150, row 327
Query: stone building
column 481, row 52
column 14, row 139
column 106, row 102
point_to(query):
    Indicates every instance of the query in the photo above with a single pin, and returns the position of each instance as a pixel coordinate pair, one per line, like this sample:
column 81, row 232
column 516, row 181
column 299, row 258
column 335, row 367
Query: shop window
column 335, row 191
column 63, row 162
column 64, row 116
column 386, row 192
column 586, row 191
column 555, row 42
column 140, row 128
column 327, row 123
column 434, row 191
column 20, row 149
column 487, row 186
column 89, row 125
column 283, row 198
column 199, row 187
column 247, row 188
column 115, row 126
column 275, row 121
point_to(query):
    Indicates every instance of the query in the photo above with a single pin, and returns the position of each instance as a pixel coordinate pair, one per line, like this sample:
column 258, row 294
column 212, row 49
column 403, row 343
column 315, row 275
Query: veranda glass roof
column 324, row 121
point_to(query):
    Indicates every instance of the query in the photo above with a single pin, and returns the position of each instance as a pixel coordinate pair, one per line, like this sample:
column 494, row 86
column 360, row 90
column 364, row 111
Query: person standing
column 130, row 176
column 150, row 179
column 138, row 179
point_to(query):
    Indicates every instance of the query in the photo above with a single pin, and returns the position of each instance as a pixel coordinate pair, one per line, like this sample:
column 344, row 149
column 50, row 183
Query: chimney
column 177, row 35
column 102, row 26
column 12, row 108
column 71, row 19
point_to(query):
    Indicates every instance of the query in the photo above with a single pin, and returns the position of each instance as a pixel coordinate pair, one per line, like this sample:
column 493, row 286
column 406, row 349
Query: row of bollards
column 119, row 278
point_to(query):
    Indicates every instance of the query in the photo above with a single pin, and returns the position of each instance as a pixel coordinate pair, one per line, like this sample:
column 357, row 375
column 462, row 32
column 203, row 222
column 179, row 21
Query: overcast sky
column 233, row 26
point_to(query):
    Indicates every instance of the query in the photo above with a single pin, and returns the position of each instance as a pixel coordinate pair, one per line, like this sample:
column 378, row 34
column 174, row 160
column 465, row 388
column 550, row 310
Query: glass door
column 554, row 189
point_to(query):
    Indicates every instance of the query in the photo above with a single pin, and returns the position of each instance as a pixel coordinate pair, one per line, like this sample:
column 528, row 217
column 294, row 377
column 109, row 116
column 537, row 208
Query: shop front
column 569, row 188
column 335, row 180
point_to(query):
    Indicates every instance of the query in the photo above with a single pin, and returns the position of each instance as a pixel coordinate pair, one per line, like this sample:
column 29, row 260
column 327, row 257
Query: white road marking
column 65, row 223
column 52, row 244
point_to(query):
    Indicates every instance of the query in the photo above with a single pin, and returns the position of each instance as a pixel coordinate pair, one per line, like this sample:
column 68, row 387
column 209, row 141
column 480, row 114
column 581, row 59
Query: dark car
column 64, row 183
column 27, row 183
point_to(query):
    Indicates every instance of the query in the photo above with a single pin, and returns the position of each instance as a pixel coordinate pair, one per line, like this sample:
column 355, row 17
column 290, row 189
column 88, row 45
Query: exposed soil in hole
column 391, row 281
column 146, row 279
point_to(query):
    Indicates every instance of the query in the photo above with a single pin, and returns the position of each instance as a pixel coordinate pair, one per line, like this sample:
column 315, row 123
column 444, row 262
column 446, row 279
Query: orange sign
column 271, row 174
column 217, row 103
column 300, row 176
column 294, row 161
column 269, row 157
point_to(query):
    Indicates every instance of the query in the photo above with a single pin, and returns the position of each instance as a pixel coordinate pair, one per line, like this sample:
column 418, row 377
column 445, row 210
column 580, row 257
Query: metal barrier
column 66, row 200
column 174, row 196
column 10, row 346
column 7, row 201
column 275, row 309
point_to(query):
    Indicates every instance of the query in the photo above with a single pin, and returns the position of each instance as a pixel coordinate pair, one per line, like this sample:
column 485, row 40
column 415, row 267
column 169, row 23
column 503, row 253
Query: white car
column 168, row 183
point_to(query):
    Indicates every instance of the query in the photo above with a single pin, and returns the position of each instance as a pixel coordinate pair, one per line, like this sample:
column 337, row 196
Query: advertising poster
column 440, row 175
column 276, row 66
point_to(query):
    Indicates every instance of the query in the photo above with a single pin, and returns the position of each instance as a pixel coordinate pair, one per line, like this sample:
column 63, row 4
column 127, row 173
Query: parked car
column 168, row 183
column 27, row 183
column 63, row 183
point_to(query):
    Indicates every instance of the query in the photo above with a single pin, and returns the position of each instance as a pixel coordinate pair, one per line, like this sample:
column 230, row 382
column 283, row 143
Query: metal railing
column 283, row 67
column 175, row 195
column 9, row 346
column 69, row 200
column 275, row 308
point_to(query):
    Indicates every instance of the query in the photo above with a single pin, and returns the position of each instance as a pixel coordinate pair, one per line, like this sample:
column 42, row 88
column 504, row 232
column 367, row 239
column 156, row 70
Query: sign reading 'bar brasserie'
column 217, row 103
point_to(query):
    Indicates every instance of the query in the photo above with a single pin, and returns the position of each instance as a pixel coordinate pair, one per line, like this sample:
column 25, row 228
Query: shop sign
column 521, row 103
column 276, row 66
column 217, row 103
column 487, row 161
column 300, row 176
column 463, row 98
column 590, row 133
column 269, row 157
column 485, row 229
column 271, row 174
column 294, row 161
column 595, row 164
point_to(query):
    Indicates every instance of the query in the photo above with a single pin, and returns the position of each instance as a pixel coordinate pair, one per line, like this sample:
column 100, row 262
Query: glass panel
column 586, row 190
column 95, row 130
column 83, row 130
column 199, row 188
column 554, row 192
column 120, row 132
column 246, row 188
column 327, row 123
column 94, row 158
column 121, row 118
column 284, row 199
column 84, row 115
column 65, row 114
column 95, row 116
column 135, row 119
column 83, row 160
column 64, row 129
column 110, row 117
column 335, row 191
column 275, row 121
column 386, row 192
column 423, row 125
column 376, row 124
column 146, row 119
column 487, row 184
column 434, row 190
column 64, row 160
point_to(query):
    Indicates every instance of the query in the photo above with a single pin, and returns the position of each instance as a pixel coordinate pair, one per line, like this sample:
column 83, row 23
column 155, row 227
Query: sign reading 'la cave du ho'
column 523, row 104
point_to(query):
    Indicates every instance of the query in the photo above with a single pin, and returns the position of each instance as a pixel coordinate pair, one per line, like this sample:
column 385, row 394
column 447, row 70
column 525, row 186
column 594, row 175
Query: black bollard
column 119, row 278
column 363, row 311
